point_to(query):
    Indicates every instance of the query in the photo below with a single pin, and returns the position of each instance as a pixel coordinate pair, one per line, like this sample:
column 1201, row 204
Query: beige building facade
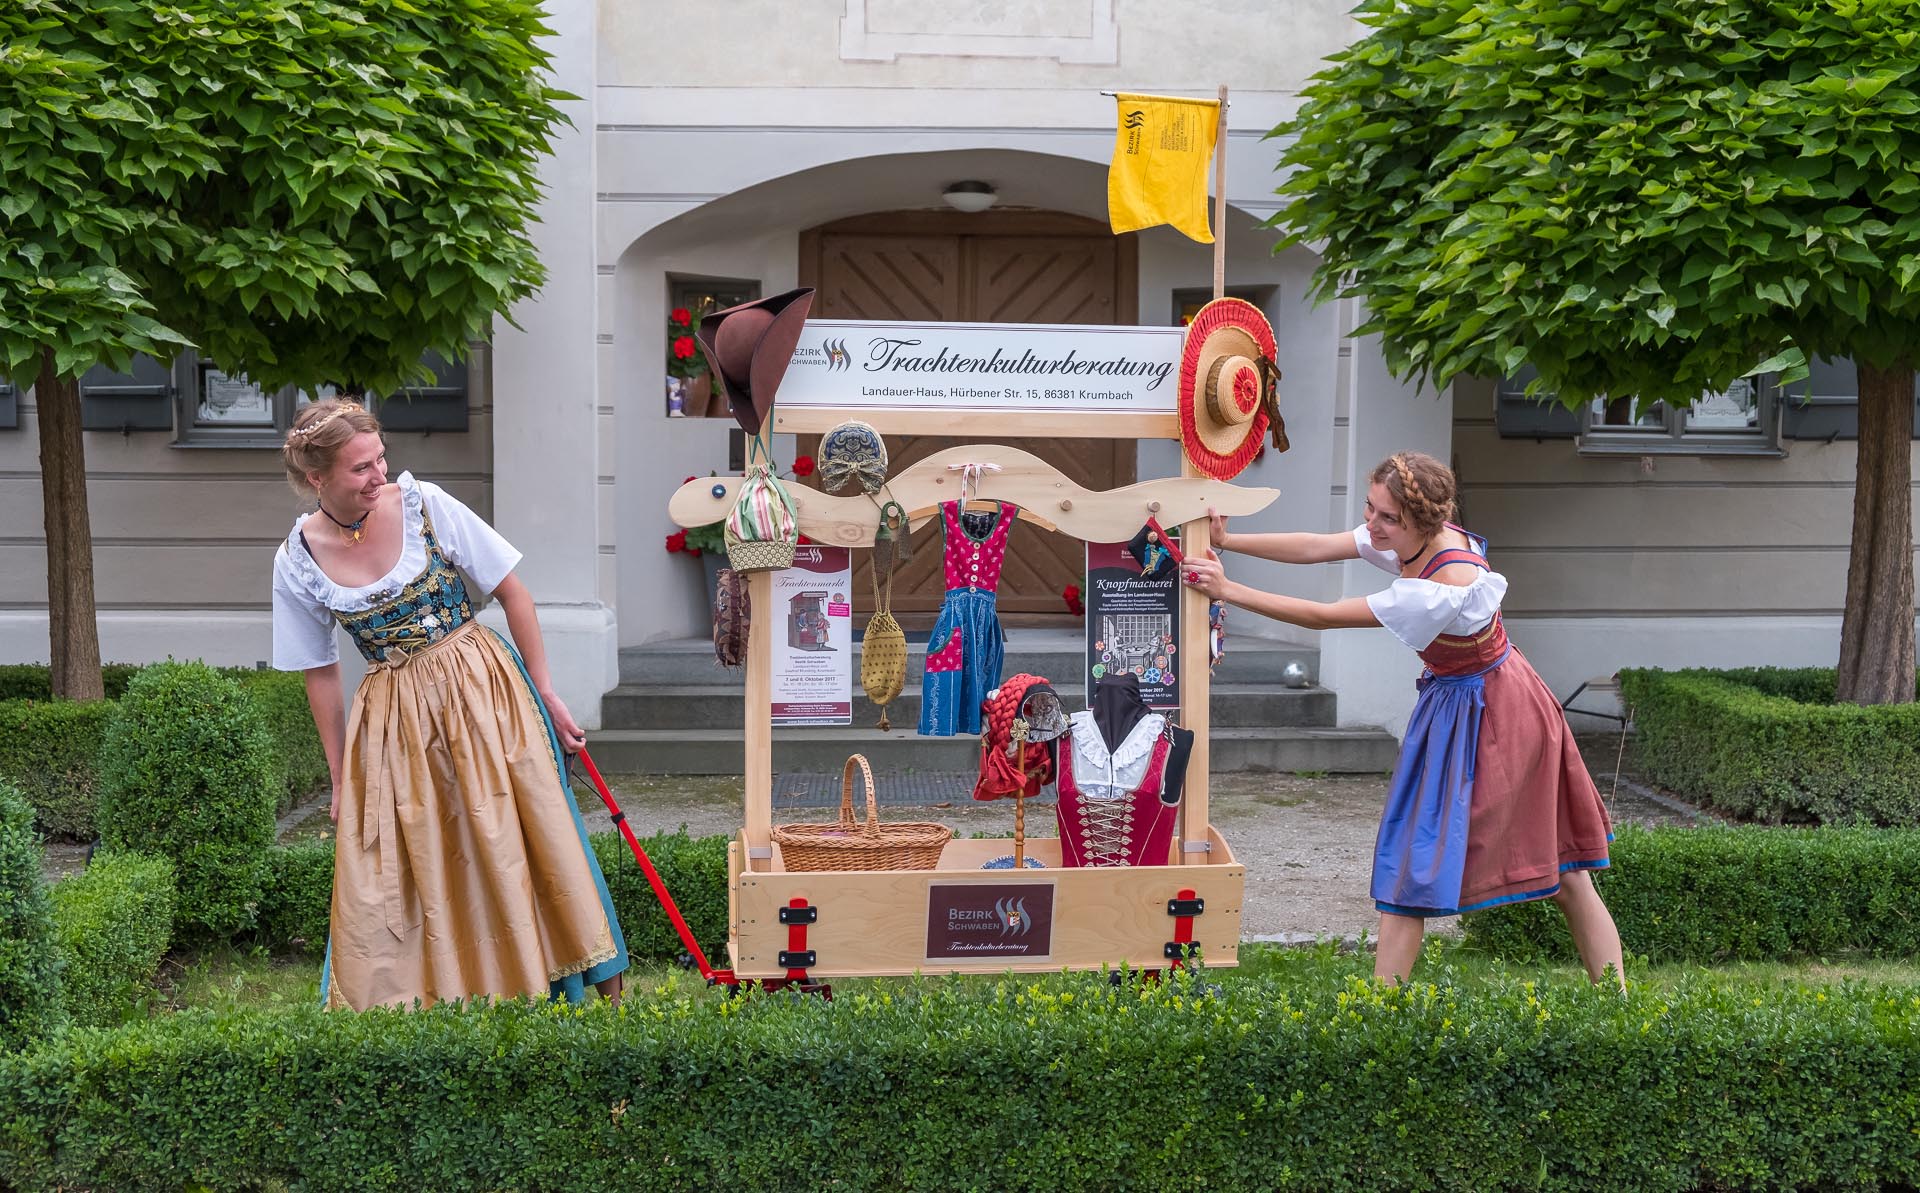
column 746, row 147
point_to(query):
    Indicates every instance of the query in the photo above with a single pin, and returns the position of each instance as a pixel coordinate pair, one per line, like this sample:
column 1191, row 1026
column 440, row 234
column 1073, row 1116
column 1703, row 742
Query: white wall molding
column 883, row 31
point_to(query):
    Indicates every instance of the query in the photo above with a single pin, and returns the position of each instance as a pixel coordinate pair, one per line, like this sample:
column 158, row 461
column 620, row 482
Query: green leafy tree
column 304, row 190
column 1650, row 199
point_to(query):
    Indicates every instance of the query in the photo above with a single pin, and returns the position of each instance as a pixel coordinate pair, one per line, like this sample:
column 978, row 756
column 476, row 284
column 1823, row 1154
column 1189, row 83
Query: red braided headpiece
column 998, row 775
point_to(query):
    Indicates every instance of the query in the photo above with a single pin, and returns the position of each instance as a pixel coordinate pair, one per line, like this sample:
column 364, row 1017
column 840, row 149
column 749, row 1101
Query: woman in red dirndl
column 1490, row 802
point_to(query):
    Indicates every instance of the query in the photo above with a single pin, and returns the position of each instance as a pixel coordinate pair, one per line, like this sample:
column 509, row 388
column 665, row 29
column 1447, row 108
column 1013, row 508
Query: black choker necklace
column 1416, row 558
column 351, row 531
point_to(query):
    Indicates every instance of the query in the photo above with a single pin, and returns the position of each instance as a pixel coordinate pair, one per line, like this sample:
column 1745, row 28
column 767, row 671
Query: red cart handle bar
column 707, row 971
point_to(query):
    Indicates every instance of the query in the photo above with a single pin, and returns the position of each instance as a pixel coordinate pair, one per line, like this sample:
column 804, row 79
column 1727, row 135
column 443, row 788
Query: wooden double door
column 991, row 267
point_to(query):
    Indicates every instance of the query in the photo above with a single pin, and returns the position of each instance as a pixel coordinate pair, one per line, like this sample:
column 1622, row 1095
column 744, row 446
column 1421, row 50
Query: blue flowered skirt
column 964, row 656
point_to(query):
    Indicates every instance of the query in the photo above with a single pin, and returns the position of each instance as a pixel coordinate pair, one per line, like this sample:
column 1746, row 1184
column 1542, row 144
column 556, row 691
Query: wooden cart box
column 881, row 922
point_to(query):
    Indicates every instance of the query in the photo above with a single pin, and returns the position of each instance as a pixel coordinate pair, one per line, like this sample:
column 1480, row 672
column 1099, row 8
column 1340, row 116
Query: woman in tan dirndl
column 462, row 867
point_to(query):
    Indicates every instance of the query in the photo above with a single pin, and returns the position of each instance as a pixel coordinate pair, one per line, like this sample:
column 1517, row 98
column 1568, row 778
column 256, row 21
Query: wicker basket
column 847, row 845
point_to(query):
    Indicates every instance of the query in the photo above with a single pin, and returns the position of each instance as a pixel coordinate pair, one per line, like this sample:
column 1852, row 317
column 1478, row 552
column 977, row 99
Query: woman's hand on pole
column 572, row 737
column 1217, row 531
column 1206, row 574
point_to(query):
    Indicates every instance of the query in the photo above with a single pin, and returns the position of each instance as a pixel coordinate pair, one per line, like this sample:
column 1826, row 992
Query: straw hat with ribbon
column 1228, row 388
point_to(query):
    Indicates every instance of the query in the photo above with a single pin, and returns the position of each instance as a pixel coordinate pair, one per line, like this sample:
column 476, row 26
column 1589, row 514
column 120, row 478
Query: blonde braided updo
column 319, row 431
column 1423, row 487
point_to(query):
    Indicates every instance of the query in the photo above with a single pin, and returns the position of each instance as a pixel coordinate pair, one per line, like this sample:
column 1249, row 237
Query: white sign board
column 855, row 364
column 813, row 638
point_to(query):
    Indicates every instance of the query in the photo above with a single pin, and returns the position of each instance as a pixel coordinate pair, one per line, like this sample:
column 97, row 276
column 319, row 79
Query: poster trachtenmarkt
column 813, row 638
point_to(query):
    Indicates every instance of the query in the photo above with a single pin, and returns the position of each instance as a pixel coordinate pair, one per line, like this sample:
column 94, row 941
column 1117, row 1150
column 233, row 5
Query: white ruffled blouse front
column 305, row 598
column 1418, row 611
column 1102, row 775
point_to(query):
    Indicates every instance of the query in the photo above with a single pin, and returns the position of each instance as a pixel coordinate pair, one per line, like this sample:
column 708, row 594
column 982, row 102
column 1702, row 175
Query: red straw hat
column 1227, row 380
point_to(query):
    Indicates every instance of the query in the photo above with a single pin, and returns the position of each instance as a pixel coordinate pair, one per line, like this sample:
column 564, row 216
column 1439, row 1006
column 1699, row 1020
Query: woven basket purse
column 883, row 646
column 848, row 845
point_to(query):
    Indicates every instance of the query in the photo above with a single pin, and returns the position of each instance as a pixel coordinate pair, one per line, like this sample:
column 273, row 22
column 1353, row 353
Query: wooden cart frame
column 794, row 926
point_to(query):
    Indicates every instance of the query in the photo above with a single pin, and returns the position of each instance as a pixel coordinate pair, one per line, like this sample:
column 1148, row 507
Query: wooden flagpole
column 1195, row 658
column 1220, row 200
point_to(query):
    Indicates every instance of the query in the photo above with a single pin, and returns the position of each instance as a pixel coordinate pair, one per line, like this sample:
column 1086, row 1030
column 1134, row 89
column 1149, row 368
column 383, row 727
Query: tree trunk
column 1876, row 634
column 71, row 623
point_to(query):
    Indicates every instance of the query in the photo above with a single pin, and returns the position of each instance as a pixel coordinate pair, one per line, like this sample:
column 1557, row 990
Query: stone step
column 1056, row 654
column 1357, row 750
column 708, row 706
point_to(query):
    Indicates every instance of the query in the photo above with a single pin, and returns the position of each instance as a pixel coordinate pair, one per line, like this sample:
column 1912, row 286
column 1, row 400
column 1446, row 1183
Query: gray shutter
column 1826, row 406
column 438, row 406
column 1517, row 416
column 140, row 400
column 9, row 405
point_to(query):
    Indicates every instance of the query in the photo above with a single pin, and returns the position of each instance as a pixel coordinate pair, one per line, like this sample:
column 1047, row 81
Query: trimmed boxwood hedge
column 114, row 921
column 1296, row 1081
column 29, row 954
column 51, row 748
column 1742, row 893
column 186, row 773
column 299, row 888
column 1769, row 744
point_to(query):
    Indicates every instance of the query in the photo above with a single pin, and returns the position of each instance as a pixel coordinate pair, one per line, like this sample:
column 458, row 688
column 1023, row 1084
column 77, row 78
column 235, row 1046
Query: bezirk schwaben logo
column 1012, row 914
column 1136, row 118
column 838, row 358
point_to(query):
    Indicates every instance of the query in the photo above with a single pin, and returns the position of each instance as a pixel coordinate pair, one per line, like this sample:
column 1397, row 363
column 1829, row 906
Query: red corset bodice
column 1447, row 655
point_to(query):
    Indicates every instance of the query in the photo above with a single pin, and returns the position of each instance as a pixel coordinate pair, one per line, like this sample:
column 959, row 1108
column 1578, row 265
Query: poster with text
column 1133, row 624
column 813, row 638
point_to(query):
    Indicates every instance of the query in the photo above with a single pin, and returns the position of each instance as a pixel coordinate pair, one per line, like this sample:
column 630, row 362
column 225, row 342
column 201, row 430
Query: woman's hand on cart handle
column 1217, row 531
column 572, row 737
column 1207, row 575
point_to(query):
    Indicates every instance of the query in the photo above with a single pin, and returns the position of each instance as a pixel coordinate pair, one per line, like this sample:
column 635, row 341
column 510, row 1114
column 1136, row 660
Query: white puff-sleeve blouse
column 1418, row 611
column 304, row 599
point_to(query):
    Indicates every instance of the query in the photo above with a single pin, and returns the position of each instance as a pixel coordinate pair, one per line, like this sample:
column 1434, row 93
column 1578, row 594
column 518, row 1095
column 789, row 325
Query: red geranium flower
column 680, row 315
column 1071, row 595
column 677, row 541
column 804, row 540
column 803, row 466
column 683, row 347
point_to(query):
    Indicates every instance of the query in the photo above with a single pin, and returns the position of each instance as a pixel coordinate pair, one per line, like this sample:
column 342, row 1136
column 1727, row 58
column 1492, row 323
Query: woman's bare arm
column 524, row 624
column 326, row 698
column 1285, row 546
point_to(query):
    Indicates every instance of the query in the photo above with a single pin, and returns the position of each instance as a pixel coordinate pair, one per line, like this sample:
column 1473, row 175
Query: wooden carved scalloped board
column 1044, row 495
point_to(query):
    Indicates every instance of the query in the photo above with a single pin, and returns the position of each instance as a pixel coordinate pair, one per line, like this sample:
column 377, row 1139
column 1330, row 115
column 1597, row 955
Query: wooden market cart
column 789, row 926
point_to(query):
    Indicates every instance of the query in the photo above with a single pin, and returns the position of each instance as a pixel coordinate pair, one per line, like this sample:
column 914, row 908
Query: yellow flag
column 1160, row 156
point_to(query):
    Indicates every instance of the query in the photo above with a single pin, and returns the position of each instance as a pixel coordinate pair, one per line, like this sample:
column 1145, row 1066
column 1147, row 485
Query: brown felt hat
column 748, row 349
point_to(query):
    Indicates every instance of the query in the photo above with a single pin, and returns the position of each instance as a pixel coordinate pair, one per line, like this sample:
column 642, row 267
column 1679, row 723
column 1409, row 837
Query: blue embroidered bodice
column 431, row 606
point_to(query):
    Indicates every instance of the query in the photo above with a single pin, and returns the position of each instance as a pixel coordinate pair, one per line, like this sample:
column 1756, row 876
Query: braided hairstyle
column 319, row 431
column 1423, row 487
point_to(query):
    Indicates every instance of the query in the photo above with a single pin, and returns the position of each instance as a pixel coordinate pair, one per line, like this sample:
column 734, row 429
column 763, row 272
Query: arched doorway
column 990, row 267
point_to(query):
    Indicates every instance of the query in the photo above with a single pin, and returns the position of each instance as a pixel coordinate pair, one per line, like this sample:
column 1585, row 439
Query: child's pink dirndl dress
column 1491, row 801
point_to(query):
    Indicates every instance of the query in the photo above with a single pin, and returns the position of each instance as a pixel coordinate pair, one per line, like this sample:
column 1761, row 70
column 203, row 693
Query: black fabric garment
column 1117, row 707
column 1175, row 778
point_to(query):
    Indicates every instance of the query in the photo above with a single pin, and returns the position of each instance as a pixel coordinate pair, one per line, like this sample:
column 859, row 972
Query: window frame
column 1671, row 437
